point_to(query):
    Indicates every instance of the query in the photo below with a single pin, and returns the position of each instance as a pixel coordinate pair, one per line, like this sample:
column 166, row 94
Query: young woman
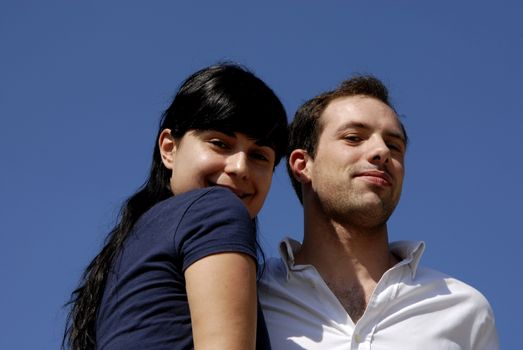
column 178, row 271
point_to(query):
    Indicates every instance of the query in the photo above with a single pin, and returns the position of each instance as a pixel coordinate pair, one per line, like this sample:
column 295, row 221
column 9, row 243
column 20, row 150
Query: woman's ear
column 167, row 145
column 300, row 162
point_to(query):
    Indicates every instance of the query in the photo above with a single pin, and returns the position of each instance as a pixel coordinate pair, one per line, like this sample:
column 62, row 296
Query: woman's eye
column 259, row 156
column 219, row 143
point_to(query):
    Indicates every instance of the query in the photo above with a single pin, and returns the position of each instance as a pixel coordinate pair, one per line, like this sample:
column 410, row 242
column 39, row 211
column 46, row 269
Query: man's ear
column 300, row 162
column 167, row 145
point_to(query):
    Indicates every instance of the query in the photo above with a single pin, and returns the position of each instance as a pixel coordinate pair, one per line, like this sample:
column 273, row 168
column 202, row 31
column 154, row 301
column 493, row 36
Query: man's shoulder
column 426, row 275
column 454, row 302
column 447, row 286
column 273, row 269
column 277, row 269
column 431, row 282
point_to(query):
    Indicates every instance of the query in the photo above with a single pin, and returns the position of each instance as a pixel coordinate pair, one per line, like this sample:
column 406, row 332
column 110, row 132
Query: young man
column 346, row 286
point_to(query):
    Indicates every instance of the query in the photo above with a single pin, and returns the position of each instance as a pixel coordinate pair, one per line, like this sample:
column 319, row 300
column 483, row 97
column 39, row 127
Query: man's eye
column 353, row 138
column 394, row 147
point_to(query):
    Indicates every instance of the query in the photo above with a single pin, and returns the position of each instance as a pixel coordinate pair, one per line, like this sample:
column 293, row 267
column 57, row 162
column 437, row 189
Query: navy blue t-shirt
column 145, row 305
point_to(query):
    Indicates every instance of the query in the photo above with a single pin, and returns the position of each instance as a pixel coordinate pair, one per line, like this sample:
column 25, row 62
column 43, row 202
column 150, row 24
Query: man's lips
column 376, row 177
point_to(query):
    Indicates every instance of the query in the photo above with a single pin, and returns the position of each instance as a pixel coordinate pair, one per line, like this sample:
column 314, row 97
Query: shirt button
column 357, row 338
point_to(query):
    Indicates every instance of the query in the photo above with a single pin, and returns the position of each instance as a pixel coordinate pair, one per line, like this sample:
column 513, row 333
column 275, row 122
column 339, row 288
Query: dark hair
column 224, row 97
column 306, row 126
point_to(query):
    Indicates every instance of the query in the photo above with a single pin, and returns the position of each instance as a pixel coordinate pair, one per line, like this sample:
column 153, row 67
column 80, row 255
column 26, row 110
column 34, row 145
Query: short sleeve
column 215, row 222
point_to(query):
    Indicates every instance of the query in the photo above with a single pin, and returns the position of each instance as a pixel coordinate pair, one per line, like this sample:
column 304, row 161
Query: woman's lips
column 238, row 192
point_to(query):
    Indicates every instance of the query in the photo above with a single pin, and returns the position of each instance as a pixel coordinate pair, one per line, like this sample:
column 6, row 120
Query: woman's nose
column 237, row 164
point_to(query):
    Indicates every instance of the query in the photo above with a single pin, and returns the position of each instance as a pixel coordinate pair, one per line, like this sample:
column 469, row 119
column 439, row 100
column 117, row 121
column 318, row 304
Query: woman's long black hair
column 224, row 97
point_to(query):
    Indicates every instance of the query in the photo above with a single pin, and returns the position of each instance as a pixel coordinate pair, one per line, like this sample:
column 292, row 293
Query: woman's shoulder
column 217, row 203
column 214, row 221
column 210, row 198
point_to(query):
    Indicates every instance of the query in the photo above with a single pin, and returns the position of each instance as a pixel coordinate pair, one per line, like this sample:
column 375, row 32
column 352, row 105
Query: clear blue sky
column 83, row 84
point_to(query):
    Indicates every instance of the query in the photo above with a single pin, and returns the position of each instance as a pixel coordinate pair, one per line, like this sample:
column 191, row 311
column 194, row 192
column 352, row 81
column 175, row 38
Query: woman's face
column 211, row 158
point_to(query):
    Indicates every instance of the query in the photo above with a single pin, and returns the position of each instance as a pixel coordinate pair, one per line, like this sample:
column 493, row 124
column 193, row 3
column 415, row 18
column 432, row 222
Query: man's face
column 357, row 172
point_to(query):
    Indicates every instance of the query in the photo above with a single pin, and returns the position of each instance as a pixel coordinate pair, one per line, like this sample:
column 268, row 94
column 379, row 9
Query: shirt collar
column 409, row 252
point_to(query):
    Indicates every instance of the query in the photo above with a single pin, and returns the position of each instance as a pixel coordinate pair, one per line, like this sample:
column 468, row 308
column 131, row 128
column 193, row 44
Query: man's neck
column 350, row 259
column 330, row 245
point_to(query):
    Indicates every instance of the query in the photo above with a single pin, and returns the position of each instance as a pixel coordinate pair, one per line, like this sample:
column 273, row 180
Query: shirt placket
column 365, row 328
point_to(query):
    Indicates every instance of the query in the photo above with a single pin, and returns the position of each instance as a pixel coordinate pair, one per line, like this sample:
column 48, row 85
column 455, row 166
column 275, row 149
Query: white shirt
column 411, row 308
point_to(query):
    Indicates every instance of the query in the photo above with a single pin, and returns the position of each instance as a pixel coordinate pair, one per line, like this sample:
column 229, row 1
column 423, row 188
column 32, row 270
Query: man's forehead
column 359, row 110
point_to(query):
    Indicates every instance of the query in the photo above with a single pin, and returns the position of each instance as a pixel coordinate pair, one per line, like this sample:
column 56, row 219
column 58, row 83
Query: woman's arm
column 221, row 290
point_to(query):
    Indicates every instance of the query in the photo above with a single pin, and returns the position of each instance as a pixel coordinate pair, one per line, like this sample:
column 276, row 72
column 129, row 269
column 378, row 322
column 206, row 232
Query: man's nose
column 379, row 152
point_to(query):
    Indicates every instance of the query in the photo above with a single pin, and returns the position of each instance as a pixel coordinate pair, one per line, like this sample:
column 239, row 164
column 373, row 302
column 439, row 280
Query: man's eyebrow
column 352, row 125
column 361, row 125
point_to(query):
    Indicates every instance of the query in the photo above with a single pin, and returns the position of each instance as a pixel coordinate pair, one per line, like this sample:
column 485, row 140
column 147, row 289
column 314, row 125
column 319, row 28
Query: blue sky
column 83, row 84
